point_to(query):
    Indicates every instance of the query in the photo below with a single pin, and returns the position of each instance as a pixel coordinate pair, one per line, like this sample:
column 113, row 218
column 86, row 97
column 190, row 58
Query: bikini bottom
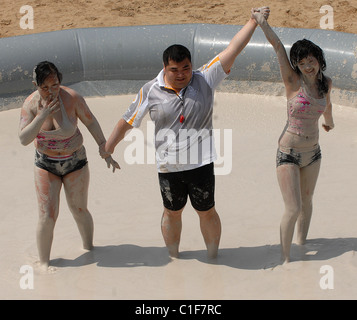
column 300, row 158
column 61, row 166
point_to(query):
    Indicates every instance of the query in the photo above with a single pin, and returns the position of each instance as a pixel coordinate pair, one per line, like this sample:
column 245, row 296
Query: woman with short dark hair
column 49, row 118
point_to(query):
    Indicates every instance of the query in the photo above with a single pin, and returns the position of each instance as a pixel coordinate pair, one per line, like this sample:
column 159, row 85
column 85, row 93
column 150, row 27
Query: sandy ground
column 130, row 260
column 68, row 14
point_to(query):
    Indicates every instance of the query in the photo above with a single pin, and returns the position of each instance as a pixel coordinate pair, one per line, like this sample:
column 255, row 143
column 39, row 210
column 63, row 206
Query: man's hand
column 260, row 14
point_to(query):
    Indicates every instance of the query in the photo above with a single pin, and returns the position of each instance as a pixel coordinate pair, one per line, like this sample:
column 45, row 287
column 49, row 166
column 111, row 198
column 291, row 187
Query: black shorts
column 61, row 168
column 198, row 184
column 301, row 159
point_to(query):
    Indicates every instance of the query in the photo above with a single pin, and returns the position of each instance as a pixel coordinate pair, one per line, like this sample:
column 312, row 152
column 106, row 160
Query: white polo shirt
column 179, row 145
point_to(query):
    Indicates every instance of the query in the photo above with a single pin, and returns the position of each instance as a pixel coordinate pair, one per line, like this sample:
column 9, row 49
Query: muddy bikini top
column 304, row 112
column 64, row 137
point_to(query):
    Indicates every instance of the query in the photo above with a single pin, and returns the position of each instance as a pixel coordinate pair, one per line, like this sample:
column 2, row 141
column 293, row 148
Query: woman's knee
column 79, row 212
column 47, row 220
column 48, row 211
column 293, row 211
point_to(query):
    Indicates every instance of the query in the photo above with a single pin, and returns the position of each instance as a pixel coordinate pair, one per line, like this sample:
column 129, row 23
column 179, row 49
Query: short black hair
column 43, row 70
column 177, row 53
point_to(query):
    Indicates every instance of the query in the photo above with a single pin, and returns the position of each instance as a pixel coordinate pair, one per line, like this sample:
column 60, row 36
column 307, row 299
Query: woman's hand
column 111, row 162
column 33, row 117
column 328, row 127
column 107, row 157
column 260, row 14
column 47, row 107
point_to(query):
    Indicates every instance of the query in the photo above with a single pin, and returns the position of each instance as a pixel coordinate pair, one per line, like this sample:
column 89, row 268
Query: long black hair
column 43, row 70
column 303, row 48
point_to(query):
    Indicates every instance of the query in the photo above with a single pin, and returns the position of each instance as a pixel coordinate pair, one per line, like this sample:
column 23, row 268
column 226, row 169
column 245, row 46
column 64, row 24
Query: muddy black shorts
column 198, row 184
column 64, row 166
column 301, row 159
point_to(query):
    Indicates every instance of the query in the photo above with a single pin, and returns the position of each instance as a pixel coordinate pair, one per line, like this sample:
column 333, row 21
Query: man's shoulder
column 150, row 84
column 198, row 73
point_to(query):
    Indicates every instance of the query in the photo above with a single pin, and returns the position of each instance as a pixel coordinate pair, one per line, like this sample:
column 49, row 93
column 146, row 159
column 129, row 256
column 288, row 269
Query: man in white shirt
column 180, row 103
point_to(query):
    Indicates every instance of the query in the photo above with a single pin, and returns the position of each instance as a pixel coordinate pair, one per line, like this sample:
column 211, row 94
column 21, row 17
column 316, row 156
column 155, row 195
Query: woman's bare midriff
column 291, row 140
column 72, row 145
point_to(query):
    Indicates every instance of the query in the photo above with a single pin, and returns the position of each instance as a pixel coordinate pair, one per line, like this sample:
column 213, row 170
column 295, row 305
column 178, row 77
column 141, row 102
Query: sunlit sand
column 130, row 260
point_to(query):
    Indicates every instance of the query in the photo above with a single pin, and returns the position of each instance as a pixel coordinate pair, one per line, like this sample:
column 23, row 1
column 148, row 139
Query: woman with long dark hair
column 299, row 155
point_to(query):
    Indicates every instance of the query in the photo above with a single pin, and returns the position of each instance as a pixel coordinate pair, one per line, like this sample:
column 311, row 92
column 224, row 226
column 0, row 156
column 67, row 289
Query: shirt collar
column 161, row 80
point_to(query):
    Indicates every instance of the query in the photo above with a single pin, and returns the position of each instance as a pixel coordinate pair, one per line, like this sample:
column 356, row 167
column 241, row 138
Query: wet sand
column 130, row 260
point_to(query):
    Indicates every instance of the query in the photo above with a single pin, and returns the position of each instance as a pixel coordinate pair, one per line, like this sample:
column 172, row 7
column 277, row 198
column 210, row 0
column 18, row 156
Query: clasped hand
column 260, row 14
column 108, row 158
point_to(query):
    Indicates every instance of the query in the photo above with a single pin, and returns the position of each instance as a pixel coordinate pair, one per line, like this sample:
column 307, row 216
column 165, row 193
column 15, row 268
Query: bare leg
column 76, row 188
column 171, row 226
column 308, row 179
column 289, row 182
column 48, row 188
column 211, row 230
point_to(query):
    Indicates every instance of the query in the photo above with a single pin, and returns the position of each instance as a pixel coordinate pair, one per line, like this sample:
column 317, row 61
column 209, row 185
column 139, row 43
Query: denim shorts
column 198, row 184
column 300, row 158
column 61, row 166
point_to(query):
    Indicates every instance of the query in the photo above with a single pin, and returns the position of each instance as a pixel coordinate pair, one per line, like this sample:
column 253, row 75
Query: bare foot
column 44, row 267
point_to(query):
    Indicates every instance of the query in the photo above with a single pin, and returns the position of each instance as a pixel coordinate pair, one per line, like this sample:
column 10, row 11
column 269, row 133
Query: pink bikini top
column 65, row 137
column 304, row 112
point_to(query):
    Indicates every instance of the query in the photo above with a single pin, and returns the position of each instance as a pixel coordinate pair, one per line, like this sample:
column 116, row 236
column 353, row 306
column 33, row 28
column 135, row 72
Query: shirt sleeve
column 138, row 108
column 213, row 72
